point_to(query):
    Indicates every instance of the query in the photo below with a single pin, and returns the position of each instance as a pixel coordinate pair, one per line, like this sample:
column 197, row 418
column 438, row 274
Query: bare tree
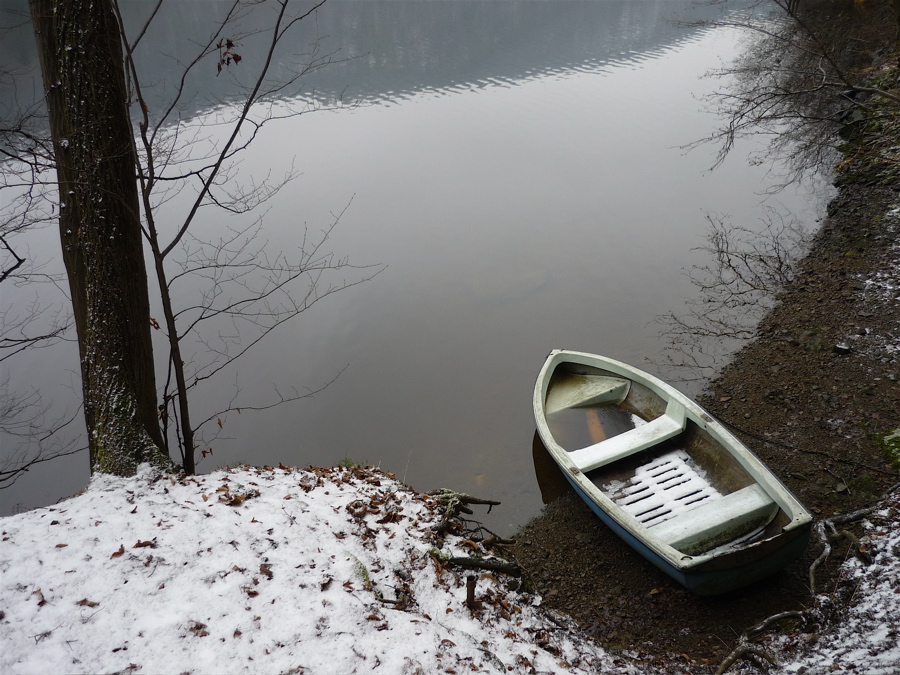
column 246, row 288
column 245, row 292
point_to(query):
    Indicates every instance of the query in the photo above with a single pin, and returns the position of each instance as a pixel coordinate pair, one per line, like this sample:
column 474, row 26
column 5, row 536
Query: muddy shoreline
column 810, row 396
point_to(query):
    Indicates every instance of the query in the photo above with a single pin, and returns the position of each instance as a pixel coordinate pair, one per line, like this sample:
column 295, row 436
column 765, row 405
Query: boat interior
column 657, row 464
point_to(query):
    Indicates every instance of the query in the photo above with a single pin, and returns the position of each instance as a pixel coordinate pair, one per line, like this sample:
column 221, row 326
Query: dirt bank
column 815, row 389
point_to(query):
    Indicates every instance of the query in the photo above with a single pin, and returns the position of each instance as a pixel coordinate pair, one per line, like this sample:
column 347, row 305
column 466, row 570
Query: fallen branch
column 487, row 564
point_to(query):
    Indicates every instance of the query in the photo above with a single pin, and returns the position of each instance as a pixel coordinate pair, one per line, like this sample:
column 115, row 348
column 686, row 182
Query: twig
column 495, row 540
column 807, row 451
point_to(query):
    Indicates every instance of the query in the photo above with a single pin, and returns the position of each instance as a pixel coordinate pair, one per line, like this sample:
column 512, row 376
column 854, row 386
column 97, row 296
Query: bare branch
column 32, row 436
column 280, row 399
column 278, row 33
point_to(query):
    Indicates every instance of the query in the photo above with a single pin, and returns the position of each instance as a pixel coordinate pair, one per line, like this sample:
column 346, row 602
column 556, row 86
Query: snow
column 261, row 570
column 880, row 290
column 320, row 571
column 866, row 639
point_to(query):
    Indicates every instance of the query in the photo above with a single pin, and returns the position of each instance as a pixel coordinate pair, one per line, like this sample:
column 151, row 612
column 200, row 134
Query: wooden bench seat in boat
column 717, row 520
column 609, row 450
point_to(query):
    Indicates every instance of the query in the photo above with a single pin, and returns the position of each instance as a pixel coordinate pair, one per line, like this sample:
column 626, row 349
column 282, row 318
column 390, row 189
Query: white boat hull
column 677, row 486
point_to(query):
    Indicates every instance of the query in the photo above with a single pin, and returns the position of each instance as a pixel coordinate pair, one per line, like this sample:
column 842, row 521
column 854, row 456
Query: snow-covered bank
column 865, row 637
column 261, row 570
column 321, row 571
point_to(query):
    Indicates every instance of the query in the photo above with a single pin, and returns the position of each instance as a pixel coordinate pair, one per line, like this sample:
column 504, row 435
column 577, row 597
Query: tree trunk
column 895, row 9
column 84, row 81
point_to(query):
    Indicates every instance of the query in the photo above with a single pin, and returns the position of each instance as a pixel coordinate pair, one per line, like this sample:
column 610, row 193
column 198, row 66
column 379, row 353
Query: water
column 515, row 166
column 576, row 428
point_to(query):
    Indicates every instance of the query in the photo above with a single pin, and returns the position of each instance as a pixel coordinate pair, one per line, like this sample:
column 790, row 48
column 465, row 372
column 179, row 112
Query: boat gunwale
column 799, row 516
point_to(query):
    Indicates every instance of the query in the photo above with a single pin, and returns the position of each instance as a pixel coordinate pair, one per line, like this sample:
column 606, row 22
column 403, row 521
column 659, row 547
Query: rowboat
column 664, row 475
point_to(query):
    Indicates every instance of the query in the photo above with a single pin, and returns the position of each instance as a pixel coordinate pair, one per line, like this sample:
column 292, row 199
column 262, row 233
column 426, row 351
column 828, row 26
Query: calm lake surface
column 515, row 166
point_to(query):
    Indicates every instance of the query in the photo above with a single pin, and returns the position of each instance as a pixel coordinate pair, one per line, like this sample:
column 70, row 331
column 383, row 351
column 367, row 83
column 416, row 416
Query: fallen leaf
column 61, row 545
column 390, row 517
column 199, row 629
column 144, row 544
column 237, row 500
column 121, row 551
column 84, row 602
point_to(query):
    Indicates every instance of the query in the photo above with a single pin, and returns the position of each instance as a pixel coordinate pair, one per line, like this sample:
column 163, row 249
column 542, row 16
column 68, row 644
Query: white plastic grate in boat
column 663, row 488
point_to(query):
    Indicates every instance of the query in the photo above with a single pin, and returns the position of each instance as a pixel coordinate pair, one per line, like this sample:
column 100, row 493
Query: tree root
column 745, row 650
column 454, row 504
column 828, row 534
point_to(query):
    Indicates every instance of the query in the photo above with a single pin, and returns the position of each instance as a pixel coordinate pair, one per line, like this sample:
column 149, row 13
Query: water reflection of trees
column 810, row 68
column 747, row 270
column 810, row 82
